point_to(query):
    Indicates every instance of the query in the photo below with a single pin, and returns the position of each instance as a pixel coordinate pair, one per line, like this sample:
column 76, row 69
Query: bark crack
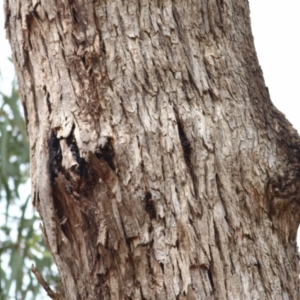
column 106, row 151
column 187, row 153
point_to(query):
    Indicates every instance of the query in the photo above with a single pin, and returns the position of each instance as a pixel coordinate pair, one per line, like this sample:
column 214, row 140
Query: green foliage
column 14, row 148
column 21, row 243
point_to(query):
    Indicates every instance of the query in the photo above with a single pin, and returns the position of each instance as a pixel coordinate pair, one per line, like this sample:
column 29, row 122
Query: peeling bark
column 159, row 165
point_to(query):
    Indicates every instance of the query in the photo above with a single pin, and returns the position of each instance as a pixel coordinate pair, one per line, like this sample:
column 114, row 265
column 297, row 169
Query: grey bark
column 160, row 167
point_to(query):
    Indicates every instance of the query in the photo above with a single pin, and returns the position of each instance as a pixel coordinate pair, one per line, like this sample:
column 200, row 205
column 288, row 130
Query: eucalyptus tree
column 159, row 165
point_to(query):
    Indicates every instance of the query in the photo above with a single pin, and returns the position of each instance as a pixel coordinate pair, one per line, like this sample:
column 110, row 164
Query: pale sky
column 276, row 31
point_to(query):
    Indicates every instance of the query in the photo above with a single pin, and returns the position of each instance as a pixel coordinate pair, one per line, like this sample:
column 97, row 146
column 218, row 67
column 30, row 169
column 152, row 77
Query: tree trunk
column 159, row 165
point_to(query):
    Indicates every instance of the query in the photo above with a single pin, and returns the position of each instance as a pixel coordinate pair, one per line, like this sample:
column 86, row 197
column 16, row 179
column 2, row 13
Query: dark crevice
column 257, row 264
column 212, row 95
column 102, row 49
column 7, row 20
column 220, row 8
column 35, row 13
column 83, row 60
column 220, row 4
column 191, row 76
column 210, row 278
column 48, row 103
column 186, row 145
column 30, row 69
column 55, row 157
column 82, row 170
column 162, row 267
column 149, row 205
column 187, row 153
column 74, row 16
column 47, row 99
column 26, row 116
column 159, row 77
column 102, row 45
column 107, row 153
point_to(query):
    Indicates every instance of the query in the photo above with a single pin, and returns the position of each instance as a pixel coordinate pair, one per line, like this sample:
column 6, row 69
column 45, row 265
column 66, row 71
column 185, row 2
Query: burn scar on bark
column 106, row 151
column 149, row 205
column 68, row 155
column 64, row 156
column 54, row 155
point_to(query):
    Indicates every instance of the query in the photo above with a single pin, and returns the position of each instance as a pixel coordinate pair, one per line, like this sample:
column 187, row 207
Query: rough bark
column 159, row 165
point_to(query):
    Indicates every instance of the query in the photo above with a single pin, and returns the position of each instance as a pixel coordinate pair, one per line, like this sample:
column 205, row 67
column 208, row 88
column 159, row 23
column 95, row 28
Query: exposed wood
column 159, row 165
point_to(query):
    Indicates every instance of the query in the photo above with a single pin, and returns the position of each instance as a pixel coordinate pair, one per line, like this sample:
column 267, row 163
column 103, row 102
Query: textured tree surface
column 160, row 167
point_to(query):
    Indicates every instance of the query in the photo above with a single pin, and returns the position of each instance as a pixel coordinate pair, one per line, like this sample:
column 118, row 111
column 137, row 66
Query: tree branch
column 44, row 284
